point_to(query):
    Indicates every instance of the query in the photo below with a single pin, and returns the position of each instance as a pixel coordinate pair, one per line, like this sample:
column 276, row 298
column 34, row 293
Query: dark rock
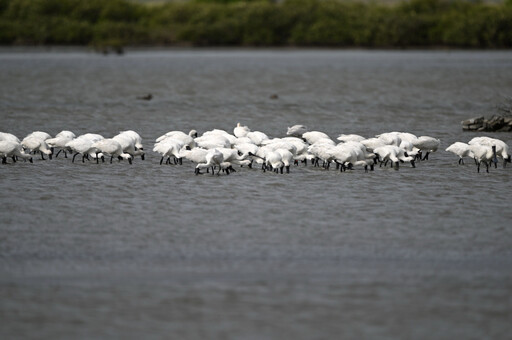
column 476, row 120
column 494, row 124
column 506, row 128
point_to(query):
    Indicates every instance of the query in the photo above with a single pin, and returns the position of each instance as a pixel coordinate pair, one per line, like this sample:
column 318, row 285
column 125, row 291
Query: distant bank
column 111, row 25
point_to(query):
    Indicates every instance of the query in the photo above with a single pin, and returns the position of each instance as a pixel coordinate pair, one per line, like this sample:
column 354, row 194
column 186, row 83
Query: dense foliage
column 415, row 23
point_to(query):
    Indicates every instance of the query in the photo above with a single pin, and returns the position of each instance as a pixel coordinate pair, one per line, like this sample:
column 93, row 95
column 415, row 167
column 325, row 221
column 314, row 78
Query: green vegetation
column 330, row 23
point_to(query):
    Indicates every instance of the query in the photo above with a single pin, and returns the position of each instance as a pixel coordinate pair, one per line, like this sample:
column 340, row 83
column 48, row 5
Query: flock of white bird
column 220, row 150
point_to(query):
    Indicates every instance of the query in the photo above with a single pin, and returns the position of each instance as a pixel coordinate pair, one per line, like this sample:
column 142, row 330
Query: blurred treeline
column 330, row 23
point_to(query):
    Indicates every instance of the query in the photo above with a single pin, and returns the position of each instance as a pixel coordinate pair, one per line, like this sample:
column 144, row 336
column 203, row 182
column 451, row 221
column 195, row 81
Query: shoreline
column 155, row 48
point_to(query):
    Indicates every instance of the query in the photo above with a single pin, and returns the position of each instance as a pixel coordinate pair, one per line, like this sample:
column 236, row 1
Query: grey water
column 152, row 251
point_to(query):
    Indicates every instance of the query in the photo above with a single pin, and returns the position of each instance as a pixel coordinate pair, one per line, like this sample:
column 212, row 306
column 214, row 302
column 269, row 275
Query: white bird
column 212, row 141
column 128, row 142
column 282, row 144
column 257, row 137
column 314, row 136
column 360, row 155
column 59, row 141
column 136, row 138
column 483, row 153
column 243, row 140
column 394, row 154
column 182, row 136
column 502, row 149
column 322, row 150
column 12, row 149
column 350, row 137
column 169, row 147
column 234, row 156
column 296, row 131
column 241, row 131
column 409, row 148
column 372, row 143
column 460, row 149
column 390, row 138
column 9, row 137
column 274, row 161
column 39, row 134
column 218, row 132
column 213, row 158
column 287, row 158
column 82, row 144
column 195, row 155
column 426, row 143
column 35, row 143
column 247, row 148
column 109, row 147
column 407, row 136
column 301, row 150
column 344, row 155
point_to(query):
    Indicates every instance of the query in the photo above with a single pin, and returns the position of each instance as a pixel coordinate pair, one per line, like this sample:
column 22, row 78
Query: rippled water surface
column 111, row 250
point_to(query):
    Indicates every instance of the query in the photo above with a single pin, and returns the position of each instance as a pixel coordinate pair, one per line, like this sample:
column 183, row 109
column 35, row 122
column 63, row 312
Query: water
column 102, row 251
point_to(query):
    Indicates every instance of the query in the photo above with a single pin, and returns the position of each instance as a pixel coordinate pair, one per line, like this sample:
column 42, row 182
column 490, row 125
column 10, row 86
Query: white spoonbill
column 241, row 131
column 296, row 131
column 109, row 147
column 9, row 137
column 35, row 143
column 314, row 136
column 128, row 142
column 82, row 144
column 59, row 141
column 169, row 147
column 483, row 153
column 502, row 149
column 426, row 143
column 213, row 158
column 12, row 149
column 350, row 137
column 460, row 149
